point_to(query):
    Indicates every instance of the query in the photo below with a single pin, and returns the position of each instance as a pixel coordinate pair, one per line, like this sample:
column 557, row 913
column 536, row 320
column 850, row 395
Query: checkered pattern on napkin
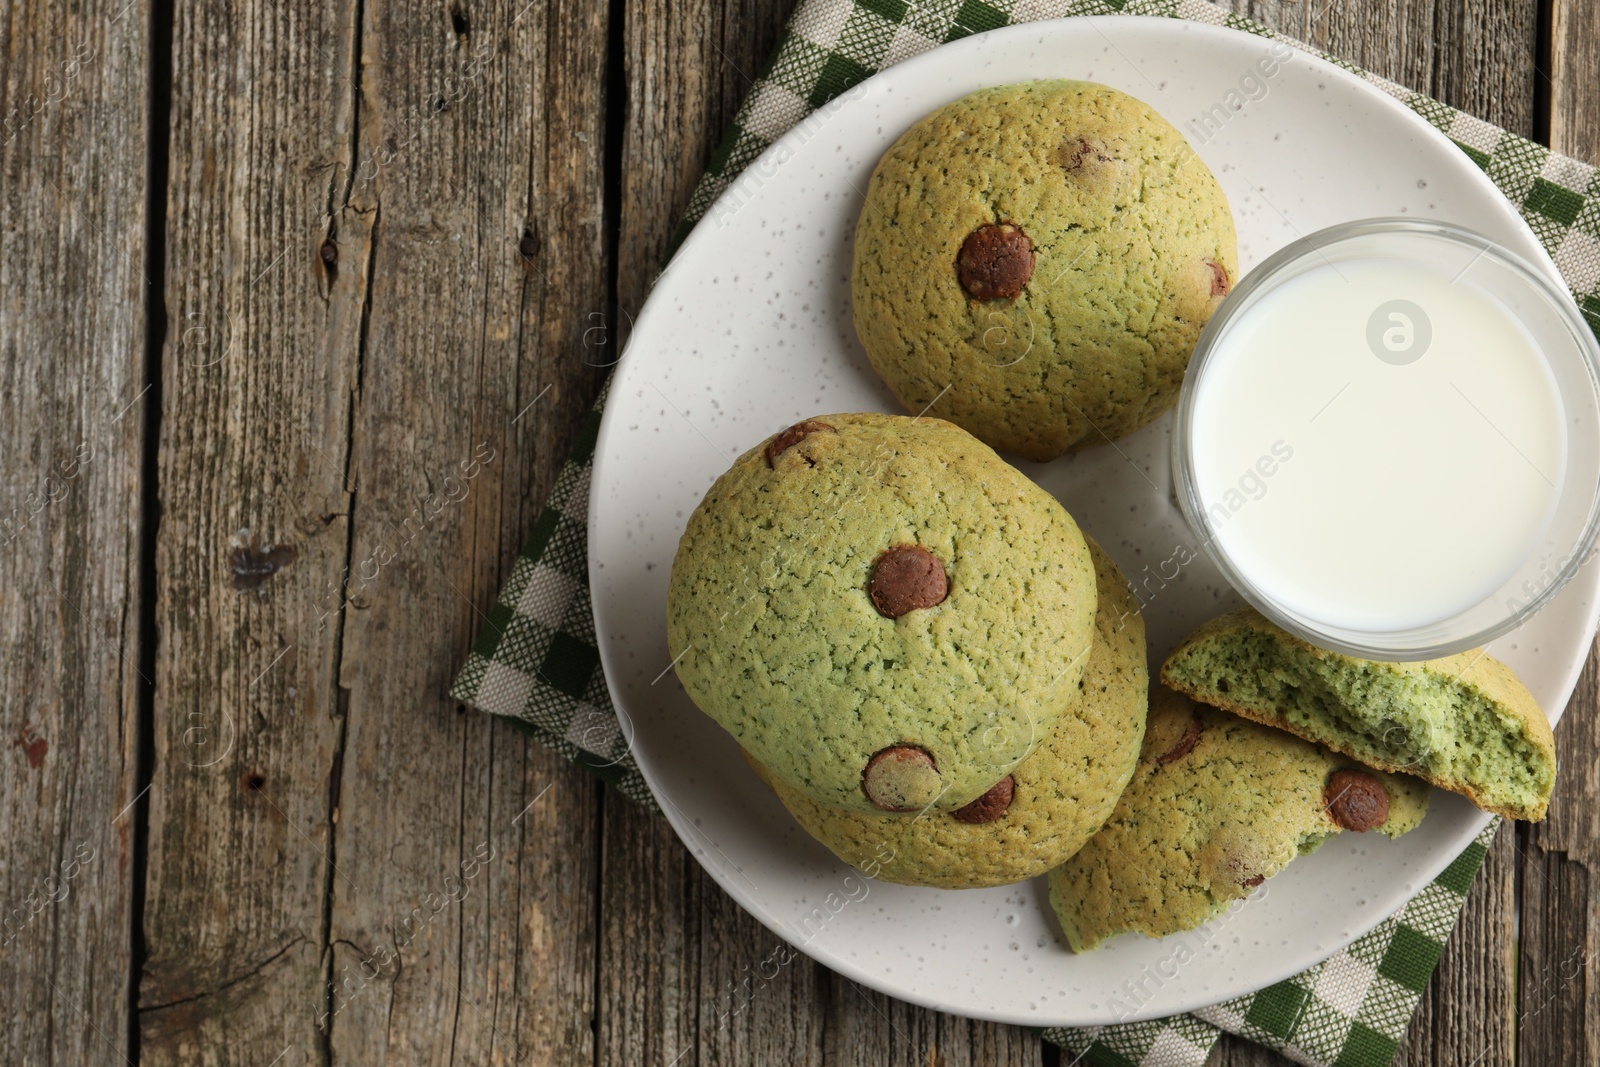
column 536, row 662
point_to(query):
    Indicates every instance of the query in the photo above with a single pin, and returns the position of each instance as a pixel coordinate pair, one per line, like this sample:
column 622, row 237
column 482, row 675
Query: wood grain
column 472, row 350
column 1559, row 973
column 1574, row 87
column 258, row 371
column 72, row 324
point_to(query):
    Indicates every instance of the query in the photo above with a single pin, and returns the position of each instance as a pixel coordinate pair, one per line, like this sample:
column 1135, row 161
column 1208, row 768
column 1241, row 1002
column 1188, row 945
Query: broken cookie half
column 1464, row 723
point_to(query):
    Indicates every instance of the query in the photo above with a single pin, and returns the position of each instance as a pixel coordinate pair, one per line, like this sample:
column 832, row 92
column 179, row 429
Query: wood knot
column 251, row 565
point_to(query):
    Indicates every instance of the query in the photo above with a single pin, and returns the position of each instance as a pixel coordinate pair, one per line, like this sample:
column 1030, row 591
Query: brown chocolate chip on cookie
column 990, row 806
column 1184, row 744
column 1076, row 153
column 1253, row 881
column 995, row 262
column 1356, row 800
column 1220, row 282
column 906, row 578
column 901, row 778
column 793, row 435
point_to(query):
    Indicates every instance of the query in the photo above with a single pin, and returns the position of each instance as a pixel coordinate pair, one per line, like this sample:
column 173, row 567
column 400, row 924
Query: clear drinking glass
column 1559, row 333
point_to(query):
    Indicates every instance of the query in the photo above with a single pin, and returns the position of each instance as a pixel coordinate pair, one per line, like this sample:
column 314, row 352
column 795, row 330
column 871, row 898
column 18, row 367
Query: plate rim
column 955, row 52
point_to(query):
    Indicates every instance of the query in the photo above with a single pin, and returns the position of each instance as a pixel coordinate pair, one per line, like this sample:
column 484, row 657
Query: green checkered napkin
column 536, row 662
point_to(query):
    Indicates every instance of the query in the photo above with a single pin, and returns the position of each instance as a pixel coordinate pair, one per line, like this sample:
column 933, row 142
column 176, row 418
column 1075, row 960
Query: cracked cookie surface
column 773, row 628
column 1036, row 261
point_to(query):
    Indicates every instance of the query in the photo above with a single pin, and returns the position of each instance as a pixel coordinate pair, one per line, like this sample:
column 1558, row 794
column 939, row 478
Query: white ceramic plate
column 749, row 330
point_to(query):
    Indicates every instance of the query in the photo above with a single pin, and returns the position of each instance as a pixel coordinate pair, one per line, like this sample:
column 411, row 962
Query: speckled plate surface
column 749, row 330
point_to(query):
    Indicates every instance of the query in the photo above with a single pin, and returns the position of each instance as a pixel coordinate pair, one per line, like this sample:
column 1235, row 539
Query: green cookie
column 1216, row 806
column 1036, row 262
column 1051, row 803
column 881, row 611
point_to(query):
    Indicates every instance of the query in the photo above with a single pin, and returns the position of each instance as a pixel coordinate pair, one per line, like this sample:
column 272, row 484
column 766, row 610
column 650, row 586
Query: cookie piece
column 1216, row 806
column 1464, row 722
column 870, row 584
column 1045, row 808
column 1036, row 262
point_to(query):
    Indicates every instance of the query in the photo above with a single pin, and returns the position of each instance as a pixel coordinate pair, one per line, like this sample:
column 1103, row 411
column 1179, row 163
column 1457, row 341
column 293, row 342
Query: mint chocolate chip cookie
column 1464, row 722
column 1036, row 261
column 881, row 611
column 1045, row 807
column 1216, row 806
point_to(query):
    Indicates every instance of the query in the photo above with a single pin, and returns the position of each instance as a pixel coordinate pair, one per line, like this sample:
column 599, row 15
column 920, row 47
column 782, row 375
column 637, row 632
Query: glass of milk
column 1389, row 438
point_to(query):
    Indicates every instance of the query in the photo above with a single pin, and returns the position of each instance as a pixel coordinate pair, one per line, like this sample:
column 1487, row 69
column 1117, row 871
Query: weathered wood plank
column 649, row 1008
column 474, row 379
column 73, row 85
column 1559, row 977
column 1478, row 56
column 1575, row 88
column 258, row 371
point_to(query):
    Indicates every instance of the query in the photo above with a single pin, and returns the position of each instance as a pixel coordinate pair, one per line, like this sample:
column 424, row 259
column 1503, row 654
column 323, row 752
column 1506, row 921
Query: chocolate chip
column 1231, row 859
column 1075, row 153
column 1356, row 800
column 990, row 806
column 1220, row 282
column 901, row 778
column 1190, row 738
column 907, row 578
column 995, row 262
column 793, row 435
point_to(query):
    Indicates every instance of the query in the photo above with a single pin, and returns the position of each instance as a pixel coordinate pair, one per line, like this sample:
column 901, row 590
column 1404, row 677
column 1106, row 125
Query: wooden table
column 270, row 275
